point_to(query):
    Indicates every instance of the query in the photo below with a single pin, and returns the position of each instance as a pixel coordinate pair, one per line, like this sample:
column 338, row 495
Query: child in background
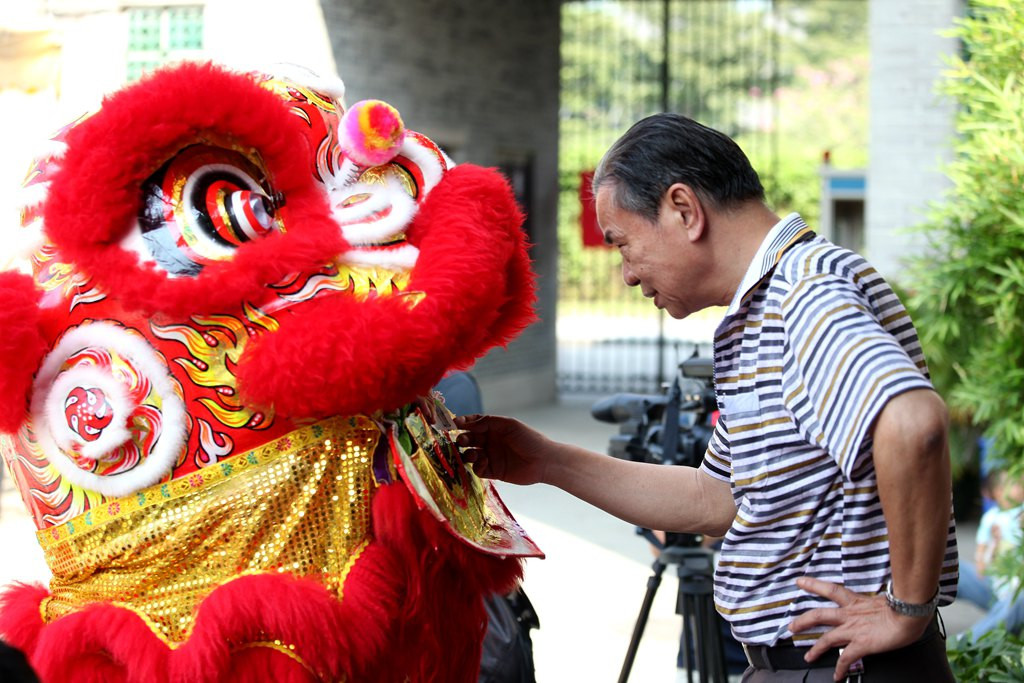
column 998, row 531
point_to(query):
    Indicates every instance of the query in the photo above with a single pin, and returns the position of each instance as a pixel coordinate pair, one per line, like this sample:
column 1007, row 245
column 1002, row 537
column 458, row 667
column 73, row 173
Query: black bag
column 14, row 667
column 508, row 648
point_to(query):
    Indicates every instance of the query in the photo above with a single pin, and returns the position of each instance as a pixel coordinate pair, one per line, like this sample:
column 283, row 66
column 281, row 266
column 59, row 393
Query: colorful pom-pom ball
column 372, row 132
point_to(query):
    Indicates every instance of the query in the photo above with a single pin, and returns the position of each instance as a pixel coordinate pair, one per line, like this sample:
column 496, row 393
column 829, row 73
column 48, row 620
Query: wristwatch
column 910, row 609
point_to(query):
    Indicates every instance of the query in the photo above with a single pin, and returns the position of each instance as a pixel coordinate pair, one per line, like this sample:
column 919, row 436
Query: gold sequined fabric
column 299, row 504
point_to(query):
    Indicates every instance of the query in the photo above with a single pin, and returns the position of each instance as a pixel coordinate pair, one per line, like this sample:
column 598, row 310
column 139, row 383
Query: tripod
column 694, row 602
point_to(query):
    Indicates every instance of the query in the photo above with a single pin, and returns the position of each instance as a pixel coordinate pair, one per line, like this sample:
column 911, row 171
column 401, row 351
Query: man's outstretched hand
column 504, row 448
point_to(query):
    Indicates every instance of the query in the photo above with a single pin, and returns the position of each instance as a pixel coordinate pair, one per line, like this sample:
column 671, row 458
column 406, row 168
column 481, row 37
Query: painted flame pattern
column 49, row 490
column 213, row 445
column 360, row 281
column 63, row 278
column 214, row 344
column 321, row 114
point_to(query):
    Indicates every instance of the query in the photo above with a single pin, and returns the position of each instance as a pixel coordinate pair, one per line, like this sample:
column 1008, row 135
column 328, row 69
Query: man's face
column 656, row 256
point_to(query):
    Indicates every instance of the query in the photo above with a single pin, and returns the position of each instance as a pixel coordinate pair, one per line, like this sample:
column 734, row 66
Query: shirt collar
column 783, row 234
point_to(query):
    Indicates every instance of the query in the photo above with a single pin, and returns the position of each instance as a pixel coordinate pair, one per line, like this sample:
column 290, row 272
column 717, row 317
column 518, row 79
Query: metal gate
column 713, row 60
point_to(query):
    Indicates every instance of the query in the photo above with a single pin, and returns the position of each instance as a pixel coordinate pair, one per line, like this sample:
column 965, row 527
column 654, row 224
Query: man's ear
column 687, row 210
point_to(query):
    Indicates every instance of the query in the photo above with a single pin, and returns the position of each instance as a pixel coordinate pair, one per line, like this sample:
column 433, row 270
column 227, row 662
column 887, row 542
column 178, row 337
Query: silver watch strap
column 910, row 609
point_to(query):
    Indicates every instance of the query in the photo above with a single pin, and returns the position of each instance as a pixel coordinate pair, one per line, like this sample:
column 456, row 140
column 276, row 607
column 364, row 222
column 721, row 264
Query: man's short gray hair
column 664, row 149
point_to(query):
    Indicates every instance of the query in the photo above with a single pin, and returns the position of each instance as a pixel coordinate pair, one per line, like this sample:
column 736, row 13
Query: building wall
column 481, row 79
column 911, row 125
column 241, row 33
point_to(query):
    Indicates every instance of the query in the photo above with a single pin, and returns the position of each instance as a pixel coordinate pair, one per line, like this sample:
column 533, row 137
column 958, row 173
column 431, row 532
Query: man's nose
column 628, row 276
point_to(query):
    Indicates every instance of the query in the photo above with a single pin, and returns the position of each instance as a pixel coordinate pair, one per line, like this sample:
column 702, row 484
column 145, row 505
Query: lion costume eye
column 202, row 205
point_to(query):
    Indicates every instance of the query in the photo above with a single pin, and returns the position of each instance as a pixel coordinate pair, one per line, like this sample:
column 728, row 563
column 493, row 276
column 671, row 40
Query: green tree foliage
column 968, row 291
column 787, row 79
column 997, row 657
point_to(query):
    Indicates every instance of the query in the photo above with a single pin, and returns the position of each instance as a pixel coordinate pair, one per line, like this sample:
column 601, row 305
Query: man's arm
column 912, row 466
column 911, row 457
column 672, row 498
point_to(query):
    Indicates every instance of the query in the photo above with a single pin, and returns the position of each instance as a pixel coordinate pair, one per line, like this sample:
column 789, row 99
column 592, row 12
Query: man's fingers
column 468, row 421
column 830, row 616
column 826, row 642
column 833, row 591
column 482, row 466
column 847, row 656
column 849, row 652
column 472, row 431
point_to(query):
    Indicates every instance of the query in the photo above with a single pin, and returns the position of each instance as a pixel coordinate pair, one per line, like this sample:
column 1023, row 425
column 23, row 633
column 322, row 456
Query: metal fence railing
column 713, row 60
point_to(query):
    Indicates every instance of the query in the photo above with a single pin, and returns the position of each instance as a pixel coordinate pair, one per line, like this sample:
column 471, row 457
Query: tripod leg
column 691, row 636
column 695, row 602
column 641, row 621
column 711, row 653
column 716, row 653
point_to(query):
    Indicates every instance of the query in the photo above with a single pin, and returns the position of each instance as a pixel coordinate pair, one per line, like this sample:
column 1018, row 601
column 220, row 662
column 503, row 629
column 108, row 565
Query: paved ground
column 588, row 591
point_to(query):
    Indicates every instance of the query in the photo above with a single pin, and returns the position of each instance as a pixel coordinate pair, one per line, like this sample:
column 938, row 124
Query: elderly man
column 828, row 472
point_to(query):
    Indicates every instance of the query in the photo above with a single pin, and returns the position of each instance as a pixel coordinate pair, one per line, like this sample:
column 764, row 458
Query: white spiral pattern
column 61, row 444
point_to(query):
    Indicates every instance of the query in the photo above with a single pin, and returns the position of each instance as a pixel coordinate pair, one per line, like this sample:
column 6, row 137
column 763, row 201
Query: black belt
column 785, row 655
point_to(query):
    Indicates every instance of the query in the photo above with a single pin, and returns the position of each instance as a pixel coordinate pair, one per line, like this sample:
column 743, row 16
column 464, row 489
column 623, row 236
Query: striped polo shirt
column 811, row 348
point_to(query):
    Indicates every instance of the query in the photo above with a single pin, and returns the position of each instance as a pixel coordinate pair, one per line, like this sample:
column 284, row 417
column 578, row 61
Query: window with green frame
column 158, row 35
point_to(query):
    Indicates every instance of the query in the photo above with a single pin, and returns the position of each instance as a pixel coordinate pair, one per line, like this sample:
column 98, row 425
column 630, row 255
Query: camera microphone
column 620, row 408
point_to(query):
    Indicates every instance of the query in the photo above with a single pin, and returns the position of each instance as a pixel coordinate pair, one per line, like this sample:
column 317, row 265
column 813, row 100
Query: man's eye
column 200, row 206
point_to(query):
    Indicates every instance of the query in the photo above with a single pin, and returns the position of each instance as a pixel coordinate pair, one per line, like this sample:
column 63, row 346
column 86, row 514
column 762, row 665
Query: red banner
column 592, row 235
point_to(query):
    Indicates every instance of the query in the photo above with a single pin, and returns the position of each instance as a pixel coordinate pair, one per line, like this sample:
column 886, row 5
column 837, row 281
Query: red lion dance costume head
column 217, row 388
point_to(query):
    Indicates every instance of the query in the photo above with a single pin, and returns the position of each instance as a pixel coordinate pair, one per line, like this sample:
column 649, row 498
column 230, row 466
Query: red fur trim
column 333, row 638
column 265, row 664
column 338, row 355
column 100, row 643
column 444, row 620
column 480, row 233
column 336, row 640
column 412, row 609
column 21, row 346
column 94, row 198
column 91, row 668
column 19, row 615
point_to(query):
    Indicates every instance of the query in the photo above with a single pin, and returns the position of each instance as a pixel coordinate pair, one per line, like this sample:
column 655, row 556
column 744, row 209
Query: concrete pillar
column 911, row 124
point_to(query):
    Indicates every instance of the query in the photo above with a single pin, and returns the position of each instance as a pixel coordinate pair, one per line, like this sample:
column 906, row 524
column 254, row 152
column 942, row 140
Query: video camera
column 668, row 429
column 674, row 428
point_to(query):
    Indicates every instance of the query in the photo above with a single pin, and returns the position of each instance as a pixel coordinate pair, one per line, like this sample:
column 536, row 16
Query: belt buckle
column 757, row 657
column 856, row 671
